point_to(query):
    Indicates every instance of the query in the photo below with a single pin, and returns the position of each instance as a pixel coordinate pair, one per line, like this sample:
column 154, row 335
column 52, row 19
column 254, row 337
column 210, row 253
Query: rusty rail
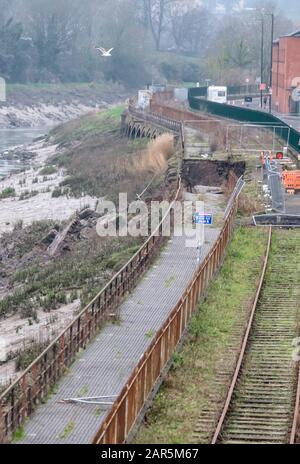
column 33, row 386
column 128, row 406
column 244, row 418
column 296, row 419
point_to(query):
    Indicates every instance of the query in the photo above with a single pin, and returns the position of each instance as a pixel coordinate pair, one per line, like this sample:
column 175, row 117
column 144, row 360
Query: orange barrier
column 291, row 180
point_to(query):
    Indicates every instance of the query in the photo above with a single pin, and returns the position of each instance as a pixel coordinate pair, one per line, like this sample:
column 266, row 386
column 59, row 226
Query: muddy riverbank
column 30, row 106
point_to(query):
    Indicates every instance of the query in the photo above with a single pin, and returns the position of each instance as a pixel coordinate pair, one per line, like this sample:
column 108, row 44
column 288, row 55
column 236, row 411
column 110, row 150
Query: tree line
column 153, row 40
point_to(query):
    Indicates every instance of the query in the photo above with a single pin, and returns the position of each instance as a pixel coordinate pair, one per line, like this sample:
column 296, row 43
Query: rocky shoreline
column 49, row 104
column 16, row 117
column 32, row 198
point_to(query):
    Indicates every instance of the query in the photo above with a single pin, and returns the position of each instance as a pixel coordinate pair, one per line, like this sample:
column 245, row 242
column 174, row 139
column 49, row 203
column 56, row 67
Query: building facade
column 286, row 74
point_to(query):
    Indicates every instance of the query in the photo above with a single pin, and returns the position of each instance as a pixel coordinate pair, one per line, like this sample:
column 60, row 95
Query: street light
column 271, row 61
column 264, row 13
column 262, row 59
column 247, row 85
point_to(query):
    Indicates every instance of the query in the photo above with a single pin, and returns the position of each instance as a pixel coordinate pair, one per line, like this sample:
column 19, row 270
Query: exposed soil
column 210, row 173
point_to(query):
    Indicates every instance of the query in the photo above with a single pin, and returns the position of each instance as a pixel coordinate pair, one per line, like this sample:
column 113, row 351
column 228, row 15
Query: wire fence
column 290, row 136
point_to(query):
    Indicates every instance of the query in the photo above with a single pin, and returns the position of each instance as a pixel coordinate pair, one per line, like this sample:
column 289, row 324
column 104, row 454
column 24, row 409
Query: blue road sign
column 206, row 219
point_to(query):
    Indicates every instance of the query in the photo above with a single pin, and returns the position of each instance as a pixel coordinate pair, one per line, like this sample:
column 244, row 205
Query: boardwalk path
column 104, row 367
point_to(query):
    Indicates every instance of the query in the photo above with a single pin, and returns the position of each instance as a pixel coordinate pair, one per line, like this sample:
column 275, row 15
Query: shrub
column 57, row 192
column 25, row 195
column 8, row 192
column 48, row 170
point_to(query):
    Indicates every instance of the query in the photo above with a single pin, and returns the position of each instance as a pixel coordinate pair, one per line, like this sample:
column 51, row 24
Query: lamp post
column 264, row 13
column 262, row 59
column 271, row 61
column 247, row 85
column 271, row 57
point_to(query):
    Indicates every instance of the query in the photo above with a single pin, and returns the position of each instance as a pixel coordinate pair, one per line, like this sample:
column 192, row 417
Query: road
column 291, row 120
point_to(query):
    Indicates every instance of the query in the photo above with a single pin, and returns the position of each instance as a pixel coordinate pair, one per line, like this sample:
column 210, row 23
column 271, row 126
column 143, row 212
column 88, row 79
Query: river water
column 10, row 138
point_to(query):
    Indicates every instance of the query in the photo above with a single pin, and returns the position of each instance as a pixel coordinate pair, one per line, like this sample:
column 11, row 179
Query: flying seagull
column 104, row 52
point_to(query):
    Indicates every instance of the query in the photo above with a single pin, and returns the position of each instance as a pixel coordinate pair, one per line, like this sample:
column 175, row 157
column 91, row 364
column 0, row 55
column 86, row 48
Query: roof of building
column 293, row 34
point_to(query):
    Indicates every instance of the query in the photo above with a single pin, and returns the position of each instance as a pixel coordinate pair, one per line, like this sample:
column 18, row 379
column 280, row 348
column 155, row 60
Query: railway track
column 262, row 405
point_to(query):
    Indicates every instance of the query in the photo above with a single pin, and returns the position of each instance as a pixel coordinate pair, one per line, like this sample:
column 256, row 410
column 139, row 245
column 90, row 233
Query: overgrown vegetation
column 251, row 199
column 99, row 162
column 59, row 192
column 89, row 94
column 7, row 193
column 189, row 385
column 28, row 194
column 48, row 170
column 25, row 358
column 81, row 273
column 18, row 435
column 102, row 163
column 25, row 239
column 88, row 127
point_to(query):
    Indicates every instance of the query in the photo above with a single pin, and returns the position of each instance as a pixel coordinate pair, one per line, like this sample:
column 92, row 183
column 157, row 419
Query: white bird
column 104, row 52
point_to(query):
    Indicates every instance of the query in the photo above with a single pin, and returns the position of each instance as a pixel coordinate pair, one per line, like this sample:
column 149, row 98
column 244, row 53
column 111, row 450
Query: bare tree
column 191, row 28
column 54, row 40
column 157, row 11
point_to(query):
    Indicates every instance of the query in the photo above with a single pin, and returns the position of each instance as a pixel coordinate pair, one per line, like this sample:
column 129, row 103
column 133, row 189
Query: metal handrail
column 235, row 194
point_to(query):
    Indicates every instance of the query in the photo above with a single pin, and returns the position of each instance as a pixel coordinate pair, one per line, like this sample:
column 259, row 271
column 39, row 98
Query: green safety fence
column 243, row 90
column 288, row 134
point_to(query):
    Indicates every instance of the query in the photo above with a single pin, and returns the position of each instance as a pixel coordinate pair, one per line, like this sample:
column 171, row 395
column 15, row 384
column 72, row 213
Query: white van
column 217, row 94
